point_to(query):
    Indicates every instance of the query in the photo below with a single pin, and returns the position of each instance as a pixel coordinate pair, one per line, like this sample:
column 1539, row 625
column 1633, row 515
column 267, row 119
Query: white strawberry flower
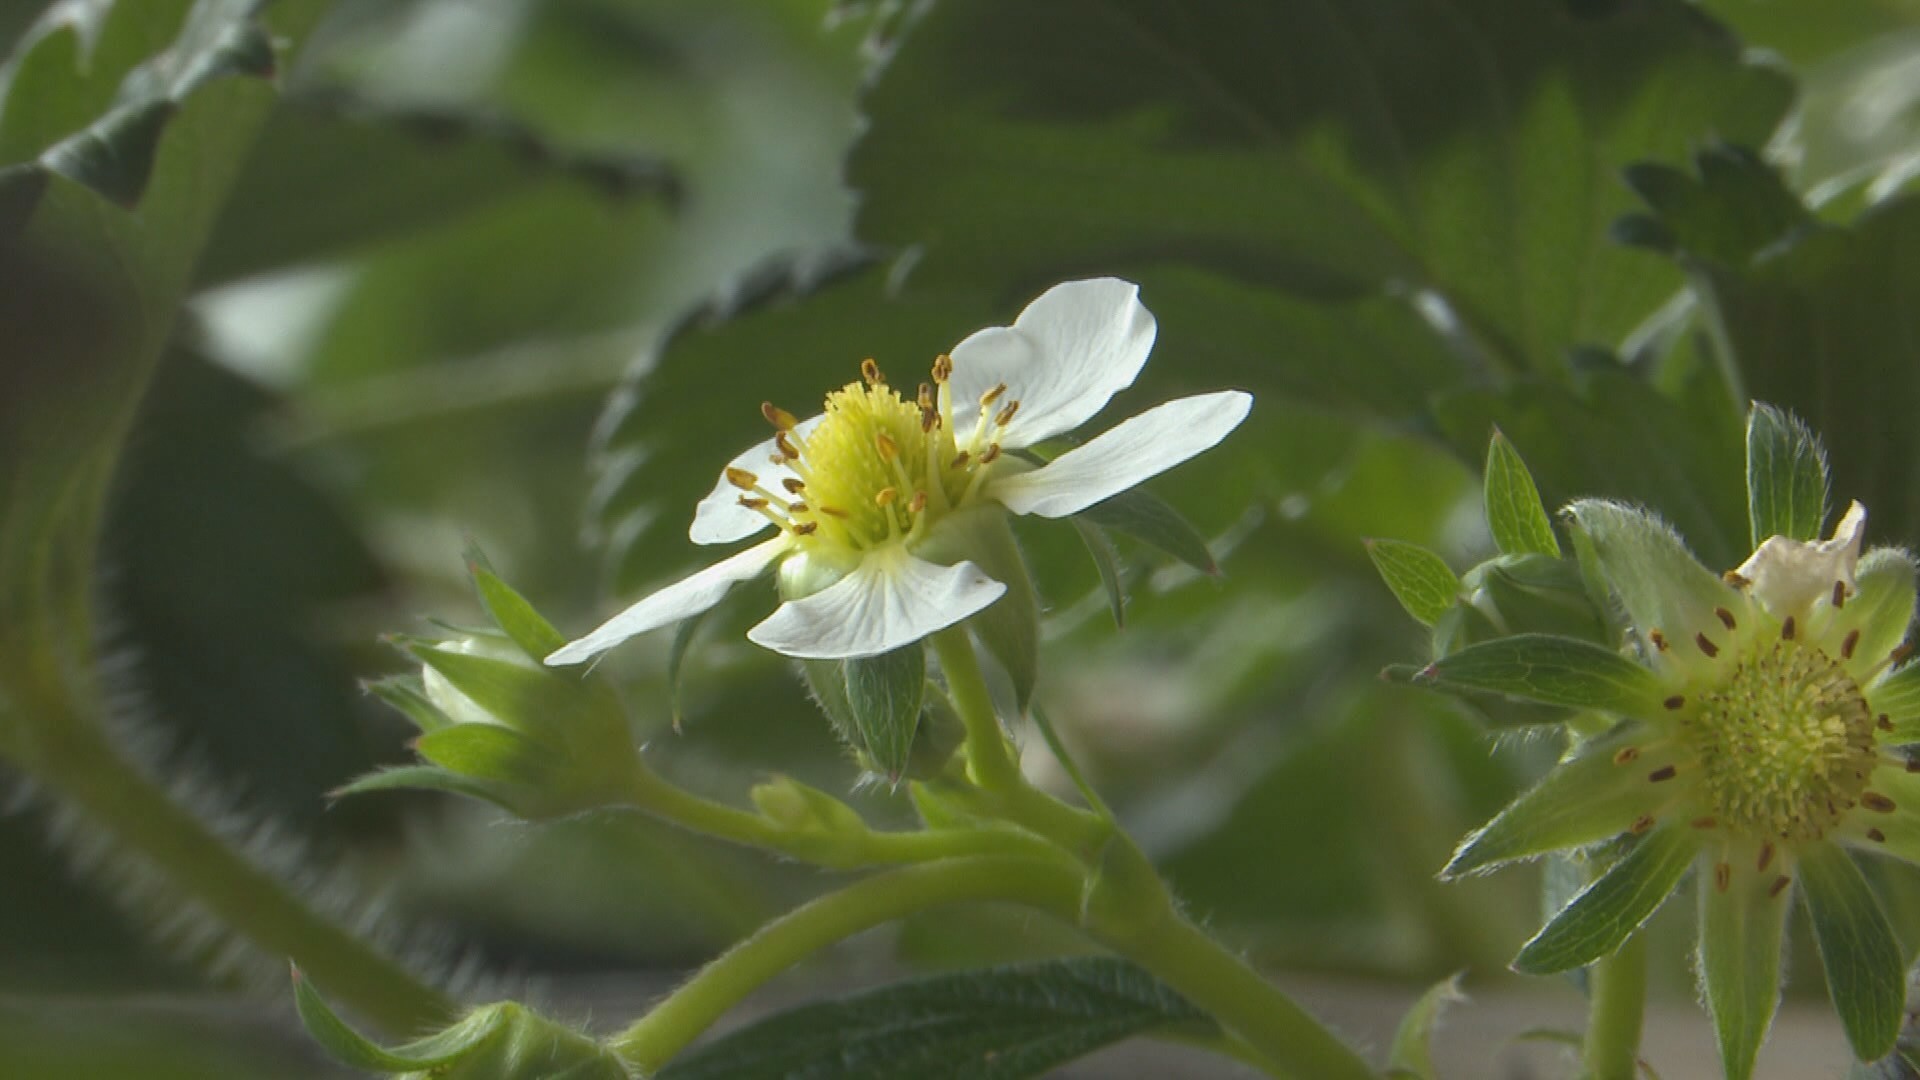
column 863, row 493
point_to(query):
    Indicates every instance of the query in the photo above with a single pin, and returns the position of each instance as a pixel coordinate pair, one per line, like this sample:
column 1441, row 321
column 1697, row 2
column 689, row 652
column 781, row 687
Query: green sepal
column 1898, row 697
column 1882, row 610
column 1741, row 930
column 511, row 612
column 884, row 696
column 353, row 1049
column 1421, row 580
column 409, row 695
column 1463, row 626
column 1588, row 798
column 1518, row 521
column 1537, row 594
column 940, row 735
column 1411, row 1055
column 1608, row 911
column 1787, row 478
column 1153, row 521
column 115, row 155
column 548, row 703
column 433, row 778
column 1857, row 948
column 827, row 683
column 1551, row 671
column 1661, row 584
column 491, row 752
column 1106, row 560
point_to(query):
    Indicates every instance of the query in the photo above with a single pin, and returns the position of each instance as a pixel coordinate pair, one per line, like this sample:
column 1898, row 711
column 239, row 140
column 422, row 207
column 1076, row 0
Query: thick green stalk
column 988, row 761
column 1052, row 886
column 90, row 775
column 1617, row 992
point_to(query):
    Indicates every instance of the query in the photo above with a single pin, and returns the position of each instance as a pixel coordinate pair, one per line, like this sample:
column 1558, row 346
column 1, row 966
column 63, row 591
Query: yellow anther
column 987, row 399
column 777, row 416
column 885, row 496
column 742, row 479
column 942, row 368
column 885, row 444
column 833, row 511
column 917, row 503
column 871, row 372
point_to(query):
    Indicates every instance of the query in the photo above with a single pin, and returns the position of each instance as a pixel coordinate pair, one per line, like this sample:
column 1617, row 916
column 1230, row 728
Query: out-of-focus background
column 520, row 272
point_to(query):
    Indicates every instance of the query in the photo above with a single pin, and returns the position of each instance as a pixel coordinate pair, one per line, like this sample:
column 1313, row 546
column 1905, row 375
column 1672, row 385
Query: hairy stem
column 1052, row 886
column 1617, row 992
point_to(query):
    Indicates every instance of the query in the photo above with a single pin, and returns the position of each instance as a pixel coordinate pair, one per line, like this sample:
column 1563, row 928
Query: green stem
column 841, row 850
column 1244, row 1002
column 1617, row 991
column 89, row 773
column 988, row 761
column 1052, row 886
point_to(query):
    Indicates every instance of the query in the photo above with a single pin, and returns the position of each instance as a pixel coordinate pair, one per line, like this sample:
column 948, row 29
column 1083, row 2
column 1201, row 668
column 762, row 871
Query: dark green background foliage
column 280, row 337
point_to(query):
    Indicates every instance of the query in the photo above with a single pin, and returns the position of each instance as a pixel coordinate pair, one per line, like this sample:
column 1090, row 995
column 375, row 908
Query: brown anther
column 1641, row 825
column 806, row 528
column 1706, row 645
column 885, row 496
column 987, row 399
column 786, row 446
column 1766, row 857
column 1675, row 702
column 1722, row 876
column 1726, row 618
column 929, row 419
column 942, row 368
column 1779, row 886
column 917, row 503
column 1851, row 643
column 1707, row 822
column 1626, row 754
column 1006, row 415
column 753, row 502
column 885, row 444
column 1876, row 836
column 1736, row 579
column 924, row 397
column 833, row 511
column 794, row 485
column 1839, row 594
column 1900, row 654
column 1664, row 772
column 1876, row 802
column 991, row 455
column 1883, row 722
column 1913, row 765
column 777, row 416
column 797, row 508
column 871, row 372
column 1786, row 629
column 742, row 479
column 1659, row 640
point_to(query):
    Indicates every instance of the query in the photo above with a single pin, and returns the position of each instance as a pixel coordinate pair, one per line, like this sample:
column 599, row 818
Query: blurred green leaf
column 1148, row 518
column 1411, row 1054
column 1107, row 561
column 1421, row 580
column 998, row 1024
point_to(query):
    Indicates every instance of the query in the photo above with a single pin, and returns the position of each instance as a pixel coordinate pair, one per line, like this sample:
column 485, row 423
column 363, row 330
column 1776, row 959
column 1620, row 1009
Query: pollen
column 1783, row 746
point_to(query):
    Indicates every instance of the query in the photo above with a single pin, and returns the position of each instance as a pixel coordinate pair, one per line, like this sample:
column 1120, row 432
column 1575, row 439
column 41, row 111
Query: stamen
column 1659, row 640
column 942, row 368
column 1779, row 886
column 1876, row 802
column 742, row 479
column 1726, row 618
column 1722, row 876
column 786, row 446
column 1839, row 594
column 1884, row 722
column 1736, row 579
column 777, row 416
column 753, row 502
column 1707, row 822
column 1006, row 415
column 1851, row 643
column 960, row 460
column 1766, row 857
column 806, row 528
column 885, row 496
column 1675, row 702
column 1626, row 755
column 987, row 399
column 834, row 511
column 797, row 508
column 1706, row 645
column 992, row 455
column 794, row 485
column 871, row 372
column 1876, row 836
column 1641, row 825
column 1786, row 629
column 917, row 503
column 1665, row 772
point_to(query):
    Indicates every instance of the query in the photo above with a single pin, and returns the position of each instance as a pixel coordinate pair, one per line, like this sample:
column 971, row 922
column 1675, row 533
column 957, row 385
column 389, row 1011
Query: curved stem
column 91, row 775
column 837, row 850
column 988, row 761
column 1617, row 991
column 1050, row 885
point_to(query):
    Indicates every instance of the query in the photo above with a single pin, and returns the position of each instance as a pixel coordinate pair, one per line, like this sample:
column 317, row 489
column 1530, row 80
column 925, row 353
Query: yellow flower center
column 1784, row 745
column 877, row 467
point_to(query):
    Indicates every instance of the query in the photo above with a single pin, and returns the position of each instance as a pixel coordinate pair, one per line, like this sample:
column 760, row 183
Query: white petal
column 720, row 519
column 1132, row 451
column 891, row 599
column 1788, row 575
column 1071, row 350
column 684, row 598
